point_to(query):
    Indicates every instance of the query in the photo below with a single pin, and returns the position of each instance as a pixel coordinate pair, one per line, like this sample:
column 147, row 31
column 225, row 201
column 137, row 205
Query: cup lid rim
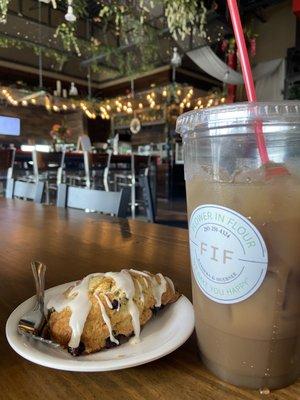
column 238, row 114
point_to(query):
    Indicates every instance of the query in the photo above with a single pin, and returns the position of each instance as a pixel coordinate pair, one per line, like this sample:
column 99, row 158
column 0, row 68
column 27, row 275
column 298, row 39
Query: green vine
column 131, row 21
column 6, row 43
column 3, row 11
column 66, row 33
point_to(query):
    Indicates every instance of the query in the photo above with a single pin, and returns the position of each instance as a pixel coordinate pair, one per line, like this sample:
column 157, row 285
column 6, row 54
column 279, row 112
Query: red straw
column 247, row 74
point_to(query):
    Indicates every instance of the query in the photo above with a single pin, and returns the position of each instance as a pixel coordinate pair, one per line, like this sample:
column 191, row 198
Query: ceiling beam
column 49, row 74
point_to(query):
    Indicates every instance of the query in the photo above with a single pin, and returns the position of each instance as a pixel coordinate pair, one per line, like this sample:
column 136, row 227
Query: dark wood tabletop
column 73, row 244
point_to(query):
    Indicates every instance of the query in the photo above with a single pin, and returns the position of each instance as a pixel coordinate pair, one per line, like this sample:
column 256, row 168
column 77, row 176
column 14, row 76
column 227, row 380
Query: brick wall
column 36, row 123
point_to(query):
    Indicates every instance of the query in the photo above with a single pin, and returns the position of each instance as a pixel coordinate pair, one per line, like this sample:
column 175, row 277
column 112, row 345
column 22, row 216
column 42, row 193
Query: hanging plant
column 183, row 15
column 113, row 12
column 66, row 33
column 3, row 11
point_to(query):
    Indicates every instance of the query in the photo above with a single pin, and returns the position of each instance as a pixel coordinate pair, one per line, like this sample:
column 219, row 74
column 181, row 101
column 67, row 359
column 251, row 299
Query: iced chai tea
column 244, row 231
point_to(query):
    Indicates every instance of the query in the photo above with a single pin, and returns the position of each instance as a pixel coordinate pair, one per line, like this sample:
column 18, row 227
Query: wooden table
column 73, row 244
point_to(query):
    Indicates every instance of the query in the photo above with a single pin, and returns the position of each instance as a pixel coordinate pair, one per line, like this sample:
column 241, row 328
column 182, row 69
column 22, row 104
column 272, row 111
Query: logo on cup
column 229, row 256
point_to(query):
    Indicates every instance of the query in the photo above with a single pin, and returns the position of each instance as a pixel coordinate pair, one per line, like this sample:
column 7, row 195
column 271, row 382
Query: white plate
column 164, row 333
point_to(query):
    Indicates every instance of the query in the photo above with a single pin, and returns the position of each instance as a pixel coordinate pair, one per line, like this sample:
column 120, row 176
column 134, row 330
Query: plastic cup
column 244, row 241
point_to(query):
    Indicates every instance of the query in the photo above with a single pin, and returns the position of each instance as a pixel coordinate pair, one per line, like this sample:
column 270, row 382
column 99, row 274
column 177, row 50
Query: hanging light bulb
column 33, row 101
column 223, row 100
column 55, row 108
column 164, row 93
column 70, row 17
column 24, row 103
column 64, row 107
column 73, row 105
column 140, row 106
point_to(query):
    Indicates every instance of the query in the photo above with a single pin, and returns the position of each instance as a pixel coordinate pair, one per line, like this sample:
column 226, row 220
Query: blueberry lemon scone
column 102, row 309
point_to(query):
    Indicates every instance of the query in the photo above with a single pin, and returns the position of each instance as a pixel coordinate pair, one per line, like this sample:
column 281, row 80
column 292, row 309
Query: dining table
column 73, row 243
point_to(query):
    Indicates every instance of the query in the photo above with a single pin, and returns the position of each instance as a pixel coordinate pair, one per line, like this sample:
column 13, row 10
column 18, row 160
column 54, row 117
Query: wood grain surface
column 73, row 244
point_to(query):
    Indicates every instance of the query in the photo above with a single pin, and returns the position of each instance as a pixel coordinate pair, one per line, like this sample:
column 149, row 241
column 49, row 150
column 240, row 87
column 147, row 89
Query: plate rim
column 78, row 365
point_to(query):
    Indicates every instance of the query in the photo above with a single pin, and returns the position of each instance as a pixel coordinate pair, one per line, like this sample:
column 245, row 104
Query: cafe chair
column 25, row 190
column 7, row 158
column 115, row 203
column 46, row 169
column 149, row 202
column 137, row 178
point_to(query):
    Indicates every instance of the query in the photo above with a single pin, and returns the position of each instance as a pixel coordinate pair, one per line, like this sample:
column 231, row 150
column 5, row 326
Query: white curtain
column 269, row 75
column 207, row 60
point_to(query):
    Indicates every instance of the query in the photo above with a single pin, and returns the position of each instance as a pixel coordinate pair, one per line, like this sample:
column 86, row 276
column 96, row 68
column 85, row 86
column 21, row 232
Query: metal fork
column 33, row 322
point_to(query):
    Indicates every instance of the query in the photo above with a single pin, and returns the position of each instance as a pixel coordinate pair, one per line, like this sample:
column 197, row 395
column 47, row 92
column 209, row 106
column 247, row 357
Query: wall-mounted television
column 10, row 126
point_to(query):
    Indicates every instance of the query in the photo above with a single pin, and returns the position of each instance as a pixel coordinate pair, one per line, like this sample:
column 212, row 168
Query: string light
column 24, row 103
column 140, row 106
column 55, row 108
column 223, row 100
column 178, row 92
column 73, row 105
column 164, row 93
column 33, row 101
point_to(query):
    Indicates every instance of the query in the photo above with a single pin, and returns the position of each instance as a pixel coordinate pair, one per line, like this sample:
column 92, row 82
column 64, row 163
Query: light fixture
column 64, row 107
column 53, row 2
column 164, row 93
column 140, row 106
column 70, row 16
column 176, row 58
column 73, row 91
column 24, row 103
column 55, row 108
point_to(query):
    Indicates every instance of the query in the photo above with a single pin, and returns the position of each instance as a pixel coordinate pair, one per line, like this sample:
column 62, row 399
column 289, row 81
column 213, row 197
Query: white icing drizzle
column 145, row 274
column 78, row 301
column 146, row 282
column 158, row 289
column 171, row 284
column 108, row 302
column 106, row 319
column 125, row 282
column 141, row 291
